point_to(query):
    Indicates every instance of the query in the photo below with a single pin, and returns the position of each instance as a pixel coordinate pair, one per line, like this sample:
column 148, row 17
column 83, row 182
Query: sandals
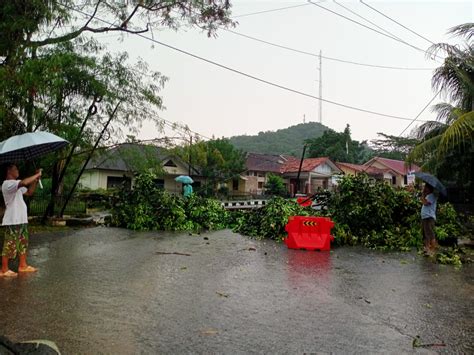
column 8, row 273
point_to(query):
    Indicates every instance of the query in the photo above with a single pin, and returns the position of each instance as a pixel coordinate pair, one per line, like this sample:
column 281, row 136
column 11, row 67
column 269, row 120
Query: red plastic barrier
column 310, row 233
column 304, row 201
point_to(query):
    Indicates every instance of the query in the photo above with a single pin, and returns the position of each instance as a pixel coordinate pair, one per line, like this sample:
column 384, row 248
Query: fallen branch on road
column 171, row 253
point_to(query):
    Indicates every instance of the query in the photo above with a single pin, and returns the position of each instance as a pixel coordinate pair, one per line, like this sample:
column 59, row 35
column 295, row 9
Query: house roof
column 266, row 162
column 398, row 166
column 309, row 164
column 118, row 158
column 370, row 170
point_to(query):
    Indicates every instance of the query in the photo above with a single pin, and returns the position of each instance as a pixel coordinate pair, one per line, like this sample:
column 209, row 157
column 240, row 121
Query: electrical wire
column 271, row 10
column 369, row 28
column 311, row 54
column 398, row 23
column 252, row 76
column 419, row 114
column 367, row 20
column 323, row 56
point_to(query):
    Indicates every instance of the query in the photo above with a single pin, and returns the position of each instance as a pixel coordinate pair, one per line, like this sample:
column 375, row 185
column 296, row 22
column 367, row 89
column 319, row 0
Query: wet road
column 106, row 290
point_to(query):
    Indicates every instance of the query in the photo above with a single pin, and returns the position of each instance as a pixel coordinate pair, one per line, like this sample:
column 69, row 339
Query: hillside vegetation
column 283, row 141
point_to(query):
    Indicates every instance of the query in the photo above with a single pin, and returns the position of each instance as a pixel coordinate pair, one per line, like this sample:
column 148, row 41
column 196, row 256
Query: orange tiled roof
column 292, row 166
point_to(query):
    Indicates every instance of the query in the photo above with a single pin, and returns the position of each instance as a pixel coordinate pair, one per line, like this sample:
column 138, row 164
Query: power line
column 317, row 55
column 398, row 23
column 419, row 114
column 367, row 20
column 367, row 27
column 252, row 76
column 311, row 54
column 271, row 10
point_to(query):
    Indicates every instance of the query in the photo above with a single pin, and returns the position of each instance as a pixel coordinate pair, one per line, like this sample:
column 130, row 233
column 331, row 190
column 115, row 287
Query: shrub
column 448, row 225
column 275, row 186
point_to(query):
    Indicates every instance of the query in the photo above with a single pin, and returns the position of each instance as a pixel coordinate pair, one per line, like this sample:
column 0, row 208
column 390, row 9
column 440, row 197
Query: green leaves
column 275, row 186
column 148, row 207
column 270, row 221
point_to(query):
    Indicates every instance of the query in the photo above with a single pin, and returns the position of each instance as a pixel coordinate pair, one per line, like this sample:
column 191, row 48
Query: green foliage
column 447, row 145
column 270, row 221
column 283, row 141
column 337, row 146
column 448, row 224
column 147, row 207
column 393, row 147
column 205, row 213
column 374, row 214
column 275, row 186
column 449, row 257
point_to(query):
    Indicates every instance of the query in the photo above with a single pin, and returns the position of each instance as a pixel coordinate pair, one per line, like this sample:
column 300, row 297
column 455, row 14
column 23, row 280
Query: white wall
column 323, row 169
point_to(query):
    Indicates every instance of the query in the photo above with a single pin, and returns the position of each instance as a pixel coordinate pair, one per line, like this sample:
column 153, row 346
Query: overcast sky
column 214, row 101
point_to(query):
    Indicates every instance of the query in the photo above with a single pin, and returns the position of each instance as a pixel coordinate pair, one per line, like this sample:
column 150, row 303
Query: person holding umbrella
column 428, row 209
column 15, row 219
column 428, row 218
column 21, row 148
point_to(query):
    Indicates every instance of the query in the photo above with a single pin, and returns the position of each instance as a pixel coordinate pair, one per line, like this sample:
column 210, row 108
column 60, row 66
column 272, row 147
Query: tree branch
column 93, row 14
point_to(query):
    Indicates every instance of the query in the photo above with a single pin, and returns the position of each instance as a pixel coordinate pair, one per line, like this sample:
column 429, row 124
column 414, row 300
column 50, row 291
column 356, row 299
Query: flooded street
column 106, row 290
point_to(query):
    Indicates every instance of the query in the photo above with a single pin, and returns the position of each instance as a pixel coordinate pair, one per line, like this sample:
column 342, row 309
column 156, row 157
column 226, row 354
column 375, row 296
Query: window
column 160, row 183
column 405, row 179
column 117, row 181
column 394, row 180
column 261, row 175
column 235, row 185
column 260, row 184
column 170, row 164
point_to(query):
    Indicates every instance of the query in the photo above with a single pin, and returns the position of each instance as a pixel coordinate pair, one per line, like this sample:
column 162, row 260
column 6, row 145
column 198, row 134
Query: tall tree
column 338, row 146
column 217, row 160
column 454, row 128
column 393, row 147
column 447, row 144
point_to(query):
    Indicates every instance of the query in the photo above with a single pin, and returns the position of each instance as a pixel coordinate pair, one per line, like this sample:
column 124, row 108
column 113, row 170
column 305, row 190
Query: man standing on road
column 428, row 217
column 15, row 219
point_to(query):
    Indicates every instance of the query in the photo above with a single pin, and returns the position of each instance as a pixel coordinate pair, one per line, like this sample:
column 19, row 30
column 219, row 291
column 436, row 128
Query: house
column 356, row 169
column 260, row 167
column 315, row 174
column 118, row 165
column 395, row 172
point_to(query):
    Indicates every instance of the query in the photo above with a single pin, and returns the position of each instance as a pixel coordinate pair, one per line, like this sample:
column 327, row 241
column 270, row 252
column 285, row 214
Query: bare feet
column 27, row 269
column 8, row 273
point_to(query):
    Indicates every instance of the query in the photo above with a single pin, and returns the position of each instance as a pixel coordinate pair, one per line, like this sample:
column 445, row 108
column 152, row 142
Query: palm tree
column 453, row 130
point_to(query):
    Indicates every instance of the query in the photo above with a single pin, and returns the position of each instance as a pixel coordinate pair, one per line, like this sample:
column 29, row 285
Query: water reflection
column 309, row 271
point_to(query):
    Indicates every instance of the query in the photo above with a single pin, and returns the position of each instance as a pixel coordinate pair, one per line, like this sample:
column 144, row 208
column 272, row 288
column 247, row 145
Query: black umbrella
column 433, row 181
column 29, row 146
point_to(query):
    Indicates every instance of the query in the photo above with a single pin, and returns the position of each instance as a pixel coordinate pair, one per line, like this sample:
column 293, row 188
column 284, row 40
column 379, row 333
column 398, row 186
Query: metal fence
column 38, row 203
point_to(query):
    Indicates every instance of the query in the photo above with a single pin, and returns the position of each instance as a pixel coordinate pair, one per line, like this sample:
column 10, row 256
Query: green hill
column 283, row 141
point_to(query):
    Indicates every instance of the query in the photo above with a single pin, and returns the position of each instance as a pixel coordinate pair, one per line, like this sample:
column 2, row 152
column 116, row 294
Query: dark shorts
column 427, row 226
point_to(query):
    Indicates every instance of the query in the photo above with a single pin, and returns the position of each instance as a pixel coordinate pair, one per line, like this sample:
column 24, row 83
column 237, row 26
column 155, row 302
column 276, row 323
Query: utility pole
column 190, row 157
column 320, row 86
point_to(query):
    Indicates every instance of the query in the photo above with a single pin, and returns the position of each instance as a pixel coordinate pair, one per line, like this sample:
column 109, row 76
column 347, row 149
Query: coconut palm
column 454, row 126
